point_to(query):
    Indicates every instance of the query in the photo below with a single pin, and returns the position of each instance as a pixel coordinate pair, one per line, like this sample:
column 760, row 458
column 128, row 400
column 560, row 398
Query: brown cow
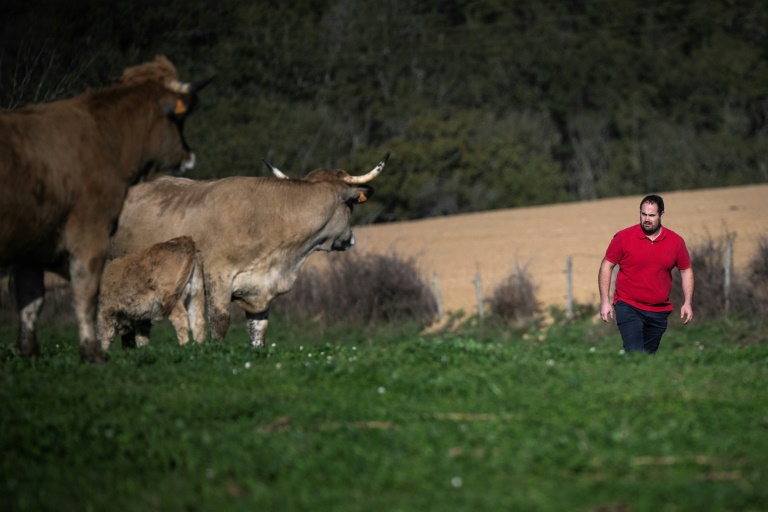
column 65, row 168
column 162, row 281
column 254, row 234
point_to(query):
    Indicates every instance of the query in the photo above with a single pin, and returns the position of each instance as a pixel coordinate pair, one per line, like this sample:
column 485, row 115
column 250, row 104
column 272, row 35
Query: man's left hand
column 686, row 313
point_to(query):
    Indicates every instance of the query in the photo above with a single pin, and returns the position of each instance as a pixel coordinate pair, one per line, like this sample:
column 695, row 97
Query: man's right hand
column 606, row 311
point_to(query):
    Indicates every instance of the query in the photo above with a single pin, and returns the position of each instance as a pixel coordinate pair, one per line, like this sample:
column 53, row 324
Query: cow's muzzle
column 343, row 245
column 188, row 164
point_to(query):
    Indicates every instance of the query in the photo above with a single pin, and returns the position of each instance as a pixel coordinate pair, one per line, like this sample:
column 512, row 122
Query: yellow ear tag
column 361, row 198
column 181, row 108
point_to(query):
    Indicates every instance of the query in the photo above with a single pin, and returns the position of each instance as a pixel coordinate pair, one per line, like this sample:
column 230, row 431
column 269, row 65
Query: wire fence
column 725, row 293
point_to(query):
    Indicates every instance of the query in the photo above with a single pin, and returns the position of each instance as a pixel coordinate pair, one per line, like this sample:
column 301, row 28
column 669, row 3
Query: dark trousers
column 640, row 330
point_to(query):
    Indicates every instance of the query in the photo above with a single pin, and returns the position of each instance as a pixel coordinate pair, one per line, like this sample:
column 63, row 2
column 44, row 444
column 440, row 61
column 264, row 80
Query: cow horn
column 275, row 170
column 186, row 87
column 178, row 87
column 365, row 178
column 196, row 86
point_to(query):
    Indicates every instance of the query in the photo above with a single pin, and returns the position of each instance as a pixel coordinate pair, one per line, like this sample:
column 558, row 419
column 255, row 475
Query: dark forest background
column 483, row 104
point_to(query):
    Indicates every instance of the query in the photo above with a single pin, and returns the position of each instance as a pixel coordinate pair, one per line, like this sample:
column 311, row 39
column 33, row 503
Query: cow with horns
column 65, row 168
column 254, row 234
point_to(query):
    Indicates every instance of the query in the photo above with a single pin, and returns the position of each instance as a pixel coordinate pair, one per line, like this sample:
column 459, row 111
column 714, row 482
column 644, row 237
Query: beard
column 650, row 228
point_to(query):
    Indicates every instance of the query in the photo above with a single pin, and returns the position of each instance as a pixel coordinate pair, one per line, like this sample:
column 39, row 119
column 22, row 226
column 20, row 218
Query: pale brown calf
column 162, row 281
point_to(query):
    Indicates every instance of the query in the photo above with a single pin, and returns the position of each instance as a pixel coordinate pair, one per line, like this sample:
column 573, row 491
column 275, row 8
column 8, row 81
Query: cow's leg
column 85, row 274
column 30, row 295
column 143, row 328
column 128, row 338
column 195, row 303
column 217, row 298
column 105, row 328
column 180, row 322
column 257, row 327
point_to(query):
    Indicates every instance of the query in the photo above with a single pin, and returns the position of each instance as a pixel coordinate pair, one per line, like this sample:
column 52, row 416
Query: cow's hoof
column 28, row 350
column 91, row 355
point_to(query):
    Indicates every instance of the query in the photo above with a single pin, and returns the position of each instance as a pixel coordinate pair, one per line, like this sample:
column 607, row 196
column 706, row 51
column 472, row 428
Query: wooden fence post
column 727, row 266
column 569, row 286
column 439, row 301
column 479, row 292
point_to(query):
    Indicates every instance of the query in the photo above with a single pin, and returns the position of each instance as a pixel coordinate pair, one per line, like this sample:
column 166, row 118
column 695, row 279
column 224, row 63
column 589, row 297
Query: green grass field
column 390, row 420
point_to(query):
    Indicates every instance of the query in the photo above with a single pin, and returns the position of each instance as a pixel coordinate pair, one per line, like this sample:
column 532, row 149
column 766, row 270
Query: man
column 646, row 254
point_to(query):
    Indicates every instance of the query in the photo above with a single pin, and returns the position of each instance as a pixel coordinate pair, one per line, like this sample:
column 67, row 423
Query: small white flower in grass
column 456, row 482
column 278, row 366
column 592, row 349
column 330, row 358
column 309, row 354
column 234, row 371
column 301, row 347
column 274, row 345
column 354, row 348
column 381, row 390
column 621, row 352
column 247, row 365
column 550, row 362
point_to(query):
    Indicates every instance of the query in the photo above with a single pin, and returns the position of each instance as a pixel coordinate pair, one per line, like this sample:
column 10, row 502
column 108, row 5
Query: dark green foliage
column 484, row 104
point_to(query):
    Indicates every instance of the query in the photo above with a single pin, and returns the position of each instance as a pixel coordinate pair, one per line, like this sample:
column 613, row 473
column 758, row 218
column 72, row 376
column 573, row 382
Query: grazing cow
column 162, row 281
column 254, row 234
column 65, row 168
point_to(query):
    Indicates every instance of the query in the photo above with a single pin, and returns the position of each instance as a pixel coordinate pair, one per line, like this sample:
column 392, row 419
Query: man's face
column 650, row 219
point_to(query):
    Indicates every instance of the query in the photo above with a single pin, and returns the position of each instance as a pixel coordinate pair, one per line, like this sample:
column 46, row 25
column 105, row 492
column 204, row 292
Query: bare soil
column 541, row 238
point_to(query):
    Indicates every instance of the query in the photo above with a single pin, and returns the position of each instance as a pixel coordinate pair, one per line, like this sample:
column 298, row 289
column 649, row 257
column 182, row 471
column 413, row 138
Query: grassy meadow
column 480, row 418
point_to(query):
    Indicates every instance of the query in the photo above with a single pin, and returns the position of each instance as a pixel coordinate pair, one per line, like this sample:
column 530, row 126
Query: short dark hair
column 653, row 199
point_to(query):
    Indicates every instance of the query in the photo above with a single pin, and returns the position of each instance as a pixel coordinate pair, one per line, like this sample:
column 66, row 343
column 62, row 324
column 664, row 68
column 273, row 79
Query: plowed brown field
column 541, row 238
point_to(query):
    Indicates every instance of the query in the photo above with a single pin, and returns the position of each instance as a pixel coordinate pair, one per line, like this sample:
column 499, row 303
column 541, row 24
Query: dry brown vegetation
column 361, row 289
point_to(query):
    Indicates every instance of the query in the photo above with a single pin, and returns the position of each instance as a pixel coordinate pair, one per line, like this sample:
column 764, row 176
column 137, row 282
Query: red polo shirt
column 645, row 267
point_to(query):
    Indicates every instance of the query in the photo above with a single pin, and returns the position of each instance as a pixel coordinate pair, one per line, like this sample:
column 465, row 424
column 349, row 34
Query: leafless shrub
column 360, row 289
column 747, row 291
column 756, row 282
column 34, row 72
column 303, row 301
column 707, row 261
column 514, row 300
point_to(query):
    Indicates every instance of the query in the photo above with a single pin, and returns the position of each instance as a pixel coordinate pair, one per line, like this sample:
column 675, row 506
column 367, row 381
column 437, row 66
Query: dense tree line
column 483, row 103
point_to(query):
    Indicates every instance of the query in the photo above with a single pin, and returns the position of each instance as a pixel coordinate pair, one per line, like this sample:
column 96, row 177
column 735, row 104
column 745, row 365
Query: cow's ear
column 357, row 194
column 176, row 107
